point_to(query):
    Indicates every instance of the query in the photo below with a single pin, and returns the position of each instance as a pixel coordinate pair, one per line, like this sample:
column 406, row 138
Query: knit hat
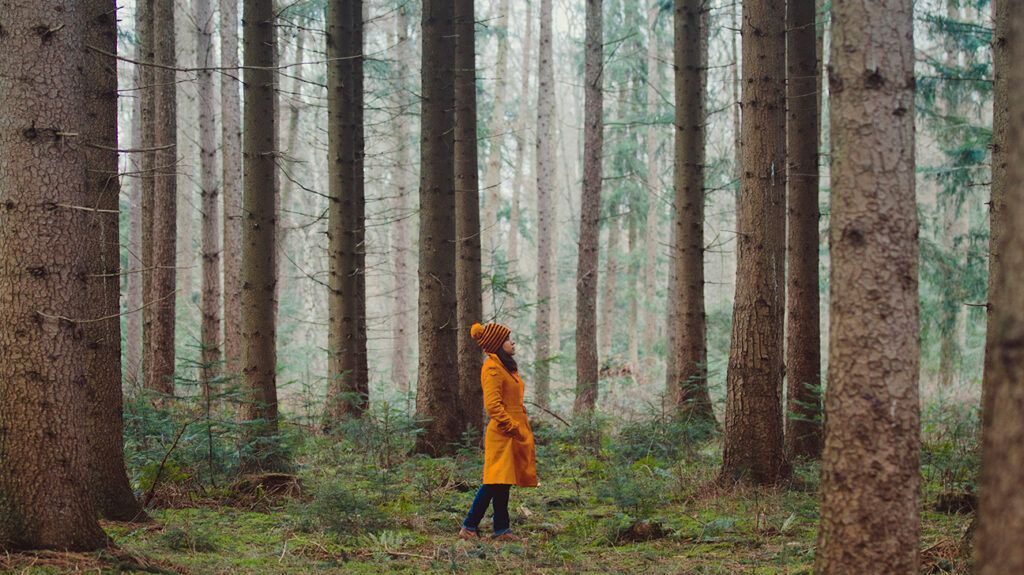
column 489, row 337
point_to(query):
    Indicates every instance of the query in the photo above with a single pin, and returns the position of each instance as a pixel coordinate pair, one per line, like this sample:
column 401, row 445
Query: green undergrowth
column 640, row 500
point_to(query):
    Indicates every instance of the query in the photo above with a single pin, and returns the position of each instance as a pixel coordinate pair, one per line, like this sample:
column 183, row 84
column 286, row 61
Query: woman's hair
column 506, row 359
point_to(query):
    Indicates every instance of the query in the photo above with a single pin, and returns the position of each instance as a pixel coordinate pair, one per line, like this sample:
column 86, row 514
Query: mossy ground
column 404, row 520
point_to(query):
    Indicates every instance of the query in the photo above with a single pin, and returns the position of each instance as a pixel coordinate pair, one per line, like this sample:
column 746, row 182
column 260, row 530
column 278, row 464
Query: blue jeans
column 498, row 493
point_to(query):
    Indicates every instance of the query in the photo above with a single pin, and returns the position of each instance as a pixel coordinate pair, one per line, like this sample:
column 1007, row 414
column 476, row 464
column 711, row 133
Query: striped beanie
column 489, row 337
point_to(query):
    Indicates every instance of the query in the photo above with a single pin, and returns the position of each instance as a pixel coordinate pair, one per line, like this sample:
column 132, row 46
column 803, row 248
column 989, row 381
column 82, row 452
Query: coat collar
column 494, row 357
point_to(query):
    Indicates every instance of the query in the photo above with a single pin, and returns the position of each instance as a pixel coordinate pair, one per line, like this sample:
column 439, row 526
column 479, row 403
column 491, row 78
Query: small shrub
column 193, row 539
column 636, row 490
column 338, row 509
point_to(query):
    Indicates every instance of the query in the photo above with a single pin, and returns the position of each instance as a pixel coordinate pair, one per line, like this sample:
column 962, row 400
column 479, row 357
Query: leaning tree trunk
column 160, row 372
column 1001, row 511
column 468, row 288
column 210, row 328
column 803, row 346
column 348, row 385
column 259, row 256
column 43, row 260
column 437, row 389
column 231, row 182
column 590, row 213
column 870, row 479
column 753, row 411
column 104, row 431
column 688, row 377
column 545, row 200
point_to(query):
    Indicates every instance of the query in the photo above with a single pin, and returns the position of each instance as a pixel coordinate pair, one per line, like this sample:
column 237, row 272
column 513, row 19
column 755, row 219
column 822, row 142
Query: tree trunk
column 44, row 262
column 633, row 275
column 468, row 288
column 293, row 164
column 231, row 182
column 135, row 296
column 437, row 390
column 611, row 279
column 108, row 481
column 545, row 202
column 348, row 393
column 492, row 237
column 147, row 179
column 259, row 258
column 870, row 479
column 210, row 328
column 162, row 298
column 522, row 125
column 688, row 378
column 803, row 345
column 403, row 301
column 590, row 213
column 1001, row 511
column 753, row 412
column 653, row 242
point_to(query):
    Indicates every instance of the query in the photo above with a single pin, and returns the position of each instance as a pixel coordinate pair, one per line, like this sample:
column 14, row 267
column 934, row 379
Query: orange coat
column 509, row 456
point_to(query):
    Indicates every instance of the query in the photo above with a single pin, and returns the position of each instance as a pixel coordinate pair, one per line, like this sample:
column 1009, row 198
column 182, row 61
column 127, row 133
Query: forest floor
column 371, row 509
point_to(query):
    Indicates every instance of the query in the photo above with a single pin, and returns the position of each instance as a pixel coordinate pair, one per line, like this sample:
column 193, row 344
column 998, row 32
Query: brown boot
column 467, row 534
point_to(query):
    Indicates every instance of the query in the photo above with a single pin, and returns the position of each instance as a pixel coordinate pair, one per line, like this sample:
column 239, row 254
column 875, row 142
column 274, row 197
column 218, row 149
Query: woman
column 509, row 457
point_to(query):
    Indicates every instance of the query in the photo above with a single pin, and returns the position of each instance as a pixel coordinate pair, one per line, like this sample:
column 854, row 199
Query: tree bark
column 870, row 479
column 753, row 412
column 803, row 345
column 401, row 242
column 688, row 376
column 1001, row 511
column 134, row 296
column 259, row 256
column 108, row 480
column 162, row 298
column 231, row 182
column 467, row 217
column 611, row 278
column 653, row 241
column 349, row 389
column 437, row 389
column 590, row 213
column 44, row 262
column 491, row 234
column 545, row 172
column 147, row 179
column 633, row 275
column 522, row 126
column 210, row 358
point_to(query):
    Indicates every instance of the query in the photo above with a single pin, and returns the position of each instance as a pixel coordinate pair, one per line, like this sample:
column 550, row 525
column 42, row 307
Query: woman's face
column 509, row 346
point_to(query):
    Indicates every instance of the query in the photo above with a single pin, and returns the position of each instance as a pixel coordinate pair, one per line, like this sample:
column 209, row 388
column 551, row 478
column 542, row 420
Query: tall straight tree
column 490, row 234
column 1002, row 468
column 231, row 188
column 259, row 256
column 654, row 205
column 401, row 241
column 590, row 212
column 147, row 164
column 803, row 347
column 104, row 432
column 545, row 199
column 437, row 389
column 753, row 410
column 208, row 188
column 349, row 388
column 522, row 124
column 468, row 288
column 688, row 376
column 870, row 479
column 43, row 504
column 160, row 371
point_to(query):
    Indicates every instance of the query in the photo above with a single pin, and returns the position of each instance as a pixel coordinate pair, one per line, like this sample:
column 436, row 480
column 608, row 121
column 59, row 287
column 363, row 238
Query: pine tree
column 870, row 479
column 545, row 145
column 467, row 217
column 231, row 182
column 43, row 258
column 590, row 213
column 259, row 256
column 437, row 389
